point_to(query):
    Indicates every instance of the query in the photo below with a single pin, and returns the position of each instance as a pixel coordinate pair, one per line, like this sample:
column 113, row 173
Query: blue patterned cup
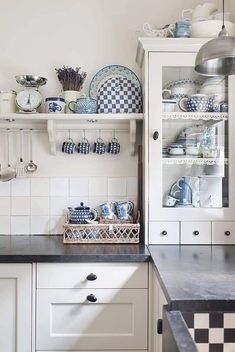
column 83, row 147
column 114, row 146
column 182, row 29
column 99, row 146
column 124, row 210
column 107, row 211
column 197, row 103
column 69, row 147
column 55, row 105
column 83, row 106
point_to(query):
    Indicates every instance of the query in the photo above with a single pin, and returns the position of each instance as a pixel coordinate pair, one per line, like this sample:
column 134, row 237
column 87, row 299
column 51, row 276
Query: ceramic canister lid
column 55, row 99
column 8, row 91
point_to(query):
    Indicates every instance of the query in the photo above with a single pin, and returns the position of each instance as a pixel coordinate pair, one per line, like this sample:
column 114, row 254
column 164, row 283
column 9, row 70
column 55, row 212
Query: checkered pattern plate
column 119, row 95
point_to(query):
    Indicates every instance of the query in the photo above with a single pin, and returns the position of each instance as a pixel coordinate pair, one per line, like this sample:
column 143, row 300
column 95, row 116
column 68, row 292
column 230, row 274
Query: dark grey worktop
column 196, row 277
column 28, row 249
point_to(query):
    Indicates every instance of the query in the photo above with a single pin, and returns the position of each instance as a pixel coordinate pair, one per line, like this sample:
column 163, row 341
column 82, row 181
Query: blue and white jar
column 55, row 105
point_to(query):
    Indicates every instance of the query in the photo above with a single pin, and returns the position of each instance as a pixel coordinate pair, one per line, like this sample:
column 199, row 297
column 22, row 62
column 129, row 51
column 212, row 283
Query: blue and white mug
column 55, row 105
column 124, row 210
column 99, row 146
column 107, row 211
column 69, row 147
column 83, row 147
column 114, row 146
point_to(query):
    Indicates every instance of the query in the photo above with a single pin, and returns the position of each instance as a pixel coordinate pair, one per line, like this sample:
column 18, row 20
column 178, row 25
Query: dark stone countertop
column 196, row 277
column 28, row 249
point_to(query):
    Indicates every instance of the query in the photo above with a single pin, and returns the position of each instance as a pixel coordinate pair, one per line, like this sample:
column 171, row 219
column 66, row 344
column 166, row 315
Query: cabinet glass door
column 189, row 146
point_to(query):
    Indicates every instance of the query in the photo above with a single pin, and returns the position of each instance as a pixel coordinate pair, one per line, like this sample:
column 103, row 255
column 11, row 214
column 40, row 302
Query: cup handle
column 168, row 150
column 71, row 109
column 182, row 104
column 165, row 91
column 189, row 11
column 95, row 214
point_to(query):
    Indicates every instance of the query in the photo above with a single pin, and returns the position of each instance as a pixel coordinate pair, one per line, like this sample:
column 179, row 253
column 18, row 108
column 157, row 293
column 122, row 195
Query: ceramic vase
column 71, row 95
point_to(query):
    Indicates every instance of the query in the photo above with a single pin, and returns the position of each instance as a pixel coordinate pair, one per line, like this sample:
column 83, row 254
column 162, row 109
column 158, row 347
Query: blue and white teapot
column 82, row 214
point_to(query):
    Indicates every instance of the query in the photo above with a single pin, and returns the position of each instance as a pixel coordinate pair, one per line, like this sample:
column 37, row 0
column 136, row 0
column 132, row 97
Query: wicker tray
column 102, row 233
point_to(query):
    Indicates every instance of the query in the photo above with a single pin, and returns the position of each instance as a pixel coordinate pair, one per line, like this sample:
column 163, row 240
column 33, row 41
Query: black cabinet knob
column 155, row 135
column 91, row 298
column 159, row 326
column 91, row 277
column 196, row 233
column 164, row 233
column 227, row 233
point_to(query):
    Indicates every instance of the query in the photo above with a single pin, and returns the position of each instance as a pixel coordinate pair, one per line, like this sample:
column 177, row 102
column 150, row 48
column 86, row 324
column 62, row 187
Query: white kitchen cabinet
column 203, row 185
column 223, row 232
column 157, row 301
column 196, row 232
column 15, row 307
column 76, row 314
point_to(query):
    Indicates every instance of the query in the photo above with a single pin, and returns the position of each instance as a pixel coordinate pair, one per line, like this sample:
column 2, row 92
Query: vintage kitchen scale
column 29, row 99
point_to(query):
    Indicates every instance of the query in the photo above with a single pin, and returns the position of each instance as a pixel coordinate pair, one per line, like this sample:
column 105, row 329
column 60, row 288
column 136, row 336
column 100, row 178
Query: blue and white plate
column 111, row 71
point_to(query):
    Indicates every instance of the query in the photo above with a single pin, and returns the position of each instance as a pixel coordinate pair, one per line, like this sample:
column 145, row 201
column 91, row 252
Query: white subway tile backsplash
column 58, row 205
column 20, row 187
column 5, row 225
column 56, row 225
column 39, row 225
column 59, row 187
column 5, row 189
column 94, row 202
column 132, row 186
column 40, row 206
column 20, row 205
column 98, row 186
column 20, row 225
column 117, row 186
column 79, row 186
column 5, row 205
column 40, row 187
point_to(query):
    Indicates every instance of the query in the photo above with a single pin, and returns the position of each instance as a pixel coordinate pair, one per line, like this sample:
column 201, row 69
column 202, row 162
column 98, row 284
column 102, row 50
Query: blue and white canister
column 55, row 105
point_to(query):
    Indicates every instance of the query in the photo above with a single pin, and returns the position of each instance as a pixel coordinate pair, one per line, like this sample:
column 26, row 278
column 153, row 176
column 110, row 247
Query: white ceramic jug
column 201, row 12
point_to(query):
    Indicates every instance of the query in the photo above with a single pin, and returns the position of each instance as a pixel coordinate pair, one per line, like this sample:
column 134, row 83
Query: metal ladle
column 31, row 166
column 9, row 172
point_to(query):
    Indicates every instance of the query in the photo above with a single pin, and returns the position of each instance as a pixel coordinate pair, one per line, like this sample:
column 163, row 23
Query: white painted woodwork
column 156, row 302
column 105, row 351
column 109, row 275
column 188, row 235
column 15, row 307
column 157, row 229
column 219, row 230
column 67, row 321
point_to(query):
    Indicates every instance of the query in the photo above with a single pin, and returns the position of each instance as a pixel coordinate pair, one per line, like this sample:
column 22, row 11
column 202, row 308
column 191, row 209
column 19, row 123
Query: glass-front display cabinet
column 191, row 137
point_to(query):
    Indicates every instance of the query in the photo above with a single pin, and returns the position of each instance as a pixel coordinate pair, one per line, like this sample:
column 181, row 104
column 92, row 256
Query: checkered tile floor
column 212, row 332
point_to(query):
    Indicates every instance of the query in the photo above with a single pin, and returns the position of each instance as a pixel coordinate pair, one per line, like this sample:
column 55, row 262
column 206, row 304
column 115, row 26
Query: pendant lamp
column 217, row 57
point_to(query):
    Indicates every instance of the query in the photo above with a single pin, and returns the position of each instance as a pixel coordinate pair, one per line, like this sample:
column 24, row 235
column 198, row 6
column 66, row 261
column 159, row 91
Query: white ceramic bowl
column 210, row 29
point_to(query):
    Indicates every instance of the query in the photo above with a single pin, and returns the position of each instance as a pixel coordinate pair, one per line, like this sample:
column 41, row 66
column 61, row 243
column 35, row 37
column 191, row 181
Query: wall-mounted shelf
column 217, row 116
column 194, row 161
column 55, row 122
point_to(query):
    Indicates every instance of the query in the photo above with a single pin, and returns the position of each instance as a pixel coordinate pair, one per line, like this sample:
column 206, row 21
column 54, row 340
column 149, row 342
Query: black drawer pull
column 196, row 233
column 91, row 277
column 227, row 233
column 164, row 233
column 155, row 135
column 159, row 326
column 91, row 298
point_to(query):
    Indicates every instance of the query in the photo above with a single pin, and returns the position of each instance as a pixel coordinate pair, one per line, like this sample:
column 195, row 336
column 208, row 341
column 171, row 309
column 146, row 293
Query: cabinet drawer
column 196, row 233
column 76, row 275
column 223, row 232
column 164, row 233
column 66, row 320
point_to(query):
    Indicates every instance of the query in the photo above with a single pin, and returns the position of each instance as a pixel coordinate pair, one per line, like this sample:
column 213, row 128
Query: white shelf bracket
column 51, row 136
column 132, row 136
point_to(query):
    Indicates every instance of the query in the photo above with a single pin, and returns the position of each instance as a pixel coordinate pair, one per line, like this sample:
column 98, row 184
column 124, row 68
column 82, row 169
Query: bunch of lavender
column 71, row 79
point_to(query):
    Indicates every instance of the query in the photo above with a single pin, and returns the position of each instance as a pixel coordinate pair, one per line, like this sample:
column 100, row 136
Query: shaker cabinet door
column 97, row 319
column 15, row 307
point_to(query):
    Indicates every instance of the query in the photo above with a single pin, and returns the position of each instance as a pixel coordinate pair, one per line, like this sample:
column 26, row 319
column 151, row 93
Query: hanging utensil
column 31, row 166
column 20, row 167
column 9, row 172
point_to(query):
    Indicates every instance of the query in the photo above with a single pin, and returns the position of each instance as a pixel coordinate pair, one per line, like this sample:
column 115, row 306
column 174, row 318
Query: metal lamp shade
column 217, row 57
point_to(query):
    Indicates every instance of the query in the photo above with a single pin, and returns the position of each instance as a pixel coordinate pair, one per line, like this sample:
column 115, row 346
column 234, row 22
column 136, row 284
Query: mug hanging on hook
column 84, row 145
column 114, row 145
column 68, row 146
column 99, row 145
